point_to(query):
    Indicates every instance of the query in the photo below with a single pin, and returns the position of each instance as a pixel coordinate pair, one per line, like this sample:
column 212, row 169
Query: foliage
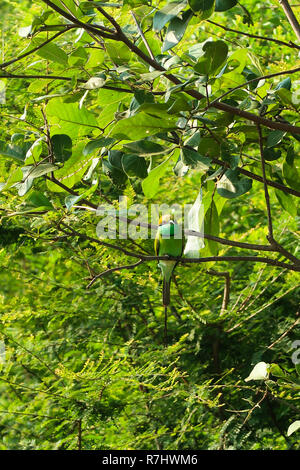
column 151, row 101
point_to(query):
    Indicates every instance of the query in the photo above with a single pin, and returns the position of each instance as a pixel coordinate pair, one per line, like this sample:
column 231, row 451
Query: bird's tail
column 167, row 268
column 166, row 292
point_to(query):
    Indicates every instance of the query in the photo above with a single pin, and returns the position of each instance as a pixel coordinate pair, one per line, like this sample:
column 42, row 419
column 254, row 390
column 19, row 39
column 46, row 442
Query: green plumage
column 166, row 244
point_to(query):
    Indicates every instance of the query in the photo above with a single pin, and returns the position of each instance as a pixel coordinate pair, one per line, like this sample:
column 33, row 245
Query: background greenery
column 88, row 368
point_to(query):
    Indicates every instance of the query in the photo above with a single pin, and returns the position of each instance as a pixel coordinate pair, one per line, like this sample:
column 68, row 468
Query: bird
column 168, row 241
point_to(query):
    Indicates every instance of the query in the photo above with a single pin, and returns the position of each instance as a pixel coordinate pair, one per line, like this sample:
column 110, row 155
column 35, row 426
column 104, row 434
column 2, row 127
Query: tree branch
column 255, row 36
column 108, row 271
column 71, row 232
column 226, row 294
column 267, row 198
column 120, row 36
column 291, row 17
column 270, row 236
column 22, row 56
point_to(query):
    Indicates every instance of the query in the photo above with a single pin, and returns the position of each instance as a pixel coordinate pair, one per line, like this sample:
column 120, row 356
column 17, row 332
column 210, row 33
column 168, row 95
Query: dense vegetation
column 158, row 102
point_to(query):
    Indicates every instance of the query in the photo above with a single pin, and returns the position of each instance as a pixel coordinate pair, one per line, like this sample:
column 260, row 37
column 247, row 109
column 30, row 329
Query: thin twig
column 255, row 36
column 285, row 333
column 142, row 35
column 267, row 198
column 108, row 271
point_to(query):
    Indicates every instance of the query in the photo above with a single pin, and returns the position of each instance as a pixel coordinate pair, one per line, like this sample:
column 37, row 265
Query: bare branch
column 291, row 17
column 226, row 294
column 118, row 268
column 142, row 36
column 267, row 198
column 255, row 36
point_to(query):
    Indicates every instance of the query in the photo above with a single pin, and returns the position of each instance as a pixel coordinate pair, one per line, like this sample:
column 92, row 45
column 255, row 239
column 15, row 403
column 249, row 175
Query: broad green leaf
column 151, row 184
column 96, row 58
column 114, row 169
column 231, row 185
column 68, row 118
column 271, row 154
column 204, row 8
column 176, row 30
column 41, row 169
column 51, row 52
column 72, row 199
column 38, row 199
column 62, row 147
column 215, row 54
column 72, row 171
column 287, row 202
column 194, row 159
column 286, row 83
column 33, row 154
column 275, row 137
column 133, row 165
column 223, row 5
column 119, row 53
column 169, row 11
column 16, row 152
column 291, row 170
column 211, row 226
column 142, row 125
column 78, row 57
column 145, row 148
column 96, row 144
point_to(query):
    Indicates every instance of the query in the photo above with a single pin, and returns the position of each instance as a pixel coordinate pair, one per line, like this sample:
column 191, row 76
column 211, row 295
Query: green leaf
column 38, row 199
column 223, row 5
column 68, row 118
column 96, row 144
column 118, row 52
column 231, row 185
column 151, row 184
column 204, row 8
column 286, row 83
column 142, row 125
column 176, row 30
column 16, row 152
column 133, row 165
column 72, row 171
column 71, row 199
column 145, row 147
column 42, row 169
column 163, row 16
column 291, row 169
column 215, row 54
column 62, row 147
column 275, row 137
column 194, row 159
column 50, row 52
column 271, row 154
column 78, row 57
column 113, row 167
column 212, row 227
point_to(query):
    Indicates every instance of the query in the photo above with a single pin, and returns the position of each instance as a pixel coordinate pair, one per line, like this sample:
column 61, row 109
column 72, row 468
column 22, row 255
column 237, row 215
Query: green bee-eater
column 168, row 241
